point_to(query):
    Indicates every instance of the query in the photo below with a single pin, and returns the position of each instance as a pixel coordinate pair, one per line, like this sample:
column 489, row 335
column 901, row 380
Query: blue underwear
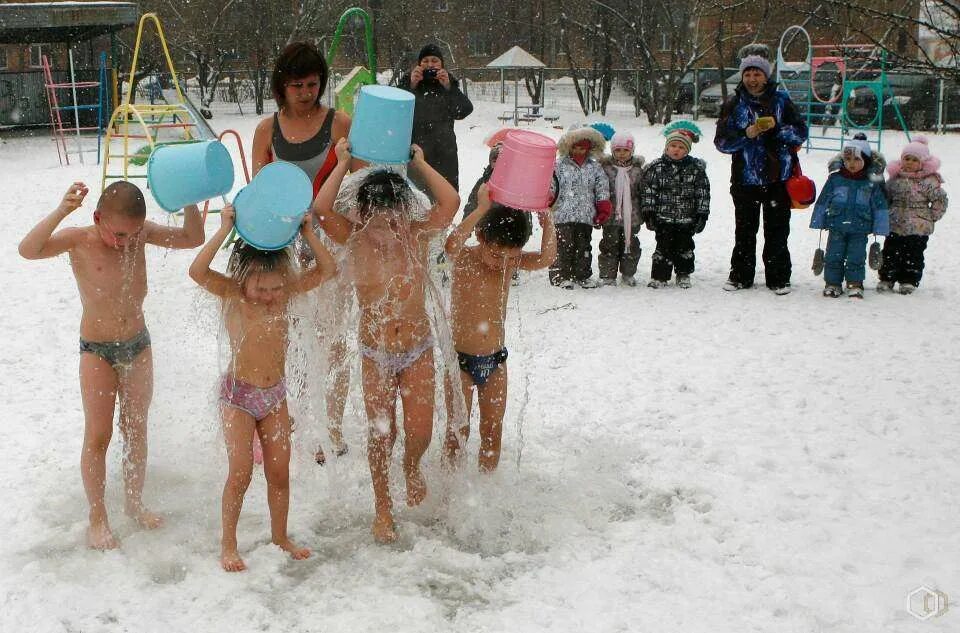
column 481, row 368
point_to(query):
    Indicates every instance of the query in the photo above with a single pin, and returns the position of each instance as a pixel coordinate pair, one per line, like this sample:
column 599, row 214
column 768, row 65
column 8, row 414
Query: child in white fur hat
column 917, row 201
column 620, row 247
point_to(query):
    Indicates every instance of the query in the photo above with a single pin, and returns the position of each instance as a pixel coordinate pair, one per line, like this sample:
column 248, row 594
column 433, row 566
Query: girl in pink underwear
column 256, row 293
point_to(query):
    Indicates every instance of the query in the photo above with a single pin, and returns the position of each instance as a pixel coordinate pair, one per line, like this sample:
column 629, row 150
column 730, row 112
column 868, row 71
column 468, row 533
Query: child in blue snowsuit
column 851, row 206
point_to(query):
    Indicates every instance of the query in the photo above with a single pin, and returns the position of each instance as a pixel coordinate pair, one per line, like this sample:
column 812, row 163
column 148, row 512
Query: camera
column 430, row 73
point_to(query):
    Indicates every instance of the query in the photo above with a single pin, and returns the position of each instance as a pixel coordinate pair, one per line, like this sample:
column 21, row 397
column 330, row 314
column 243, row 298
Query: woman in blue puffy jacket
column 851, row 206
column 761, row 128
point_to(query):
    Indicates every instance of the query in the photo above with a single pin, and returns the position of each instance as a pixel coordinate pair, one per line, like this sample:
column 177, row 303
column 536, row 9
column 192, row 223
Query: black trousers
column 674, row 253
column 747, row 202
column 903, row 258
column 613, row 255
column 574, row 253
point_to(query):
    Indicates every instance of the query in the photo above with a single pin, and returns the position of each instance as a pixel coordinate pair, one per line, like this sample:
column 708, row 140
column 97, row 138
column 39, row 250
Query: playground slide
column 203, row 127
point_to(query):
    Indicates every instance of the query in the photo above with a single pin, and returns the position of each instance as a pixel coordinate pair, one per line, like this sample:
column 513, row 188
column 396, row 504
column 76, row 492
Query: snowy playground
column 674, row 461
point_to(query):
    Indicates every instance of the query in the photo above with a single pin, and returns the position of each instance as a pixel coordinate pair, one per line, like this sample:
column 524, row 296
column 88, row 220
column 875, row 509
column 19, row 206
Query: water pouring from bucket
column 382, row 125
column 270, row 209
column 521, row 178
column 183, row 174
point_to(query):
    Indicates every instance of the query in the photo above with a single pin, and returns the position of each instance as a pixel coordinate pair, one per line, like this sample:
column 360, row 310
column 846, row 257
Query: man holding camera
column 439, row 102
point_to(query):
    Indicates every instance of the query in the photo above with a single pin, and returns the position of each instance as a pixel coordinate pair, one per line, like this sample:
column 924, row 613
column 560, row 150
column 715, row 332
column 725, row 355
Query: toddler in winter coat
column 916, row 202
column 619, row 247
column 851, row 206
column 582, row 200
column 675, row 203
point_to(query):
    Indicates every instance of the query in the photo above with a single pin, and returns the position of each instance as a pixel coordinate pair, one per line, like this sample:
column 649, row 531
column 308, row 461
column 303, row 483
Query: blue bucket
column 187, row 173
column 270, row 209
column 382, row 125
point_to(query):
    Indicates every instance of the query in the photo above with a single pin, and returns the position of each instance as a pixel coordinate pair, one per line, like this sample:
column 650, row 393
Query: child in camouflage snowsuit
column 675, row 203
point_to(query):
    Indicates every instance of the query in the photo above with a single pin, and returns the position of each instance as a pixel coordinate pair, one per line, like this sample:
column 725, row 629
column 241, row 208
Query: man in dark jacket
column 761, row 128
column 439, row 103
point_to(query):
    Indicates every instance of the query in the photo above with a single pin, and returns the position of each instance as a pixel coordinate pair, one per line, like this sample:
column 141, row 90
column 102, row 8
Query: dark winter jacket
column 765, row 159
column 851, row 206
column 636, row 178
column 676, row 193
column 435, row 111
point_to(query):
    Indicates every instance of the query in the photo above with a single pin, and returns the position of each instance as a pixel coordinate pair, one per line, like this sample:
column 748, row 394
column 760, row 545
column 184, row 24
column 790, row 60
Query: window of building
column 479, row 44
column 442, row 5
column 36, row 52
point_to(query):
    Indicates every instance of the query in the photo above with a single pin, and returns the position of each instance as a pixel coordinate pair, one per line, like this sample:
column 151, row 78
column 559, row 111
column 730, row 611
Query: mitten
column 604, row 211
column 765, row 123
column 876, row 256
column 700, row 224
column 817, row 262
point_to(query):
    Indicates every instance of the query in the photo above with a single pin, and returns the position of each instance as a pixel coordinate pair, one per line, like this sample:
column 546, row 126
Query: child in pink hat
column 917, row 201
column 619, row 247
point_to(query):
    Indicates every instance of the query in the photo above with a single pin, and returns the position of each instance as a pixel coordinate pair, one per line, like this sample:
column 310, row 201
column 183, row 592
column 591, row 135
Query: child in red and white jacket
column 582, row 193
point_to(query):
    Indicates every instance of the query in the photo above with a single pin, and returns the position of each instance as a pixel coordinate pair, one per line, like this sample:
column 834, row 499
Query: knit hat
column 755, row 56
column 859, row 147
column 917, row 148
column 686, row 132
column 622, row 140
column 430, row 49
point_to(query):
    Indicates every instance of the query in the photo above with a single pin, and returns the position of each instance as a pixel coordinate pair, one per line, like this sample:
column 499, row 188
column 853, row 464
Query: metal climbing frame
column 855, row 68
column 147, row 120
column 57, row 128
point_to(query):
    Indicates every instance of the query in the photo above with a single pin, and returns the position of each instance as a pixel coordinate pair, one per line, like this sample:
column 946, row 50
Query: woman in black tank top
column 303, row 132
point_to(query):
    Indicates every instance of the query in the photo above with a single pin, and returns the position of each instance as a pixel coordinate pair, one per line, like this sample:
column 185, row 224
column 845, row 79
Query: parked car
column 705, row 77
column 711, row 99
column 915, row 95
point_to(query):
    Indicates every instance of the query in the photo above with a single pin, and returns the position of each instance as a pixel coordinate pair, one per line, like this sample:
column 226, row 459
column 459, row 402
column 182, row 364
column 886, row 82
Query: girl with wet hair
column 256, row 292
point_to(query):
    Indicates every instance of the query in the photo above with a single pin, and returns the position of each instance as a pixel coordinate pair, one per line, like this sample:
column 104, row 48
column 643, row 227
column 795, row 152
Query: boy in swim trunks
column 478, row 310
column 387, row 241
column 116, row 364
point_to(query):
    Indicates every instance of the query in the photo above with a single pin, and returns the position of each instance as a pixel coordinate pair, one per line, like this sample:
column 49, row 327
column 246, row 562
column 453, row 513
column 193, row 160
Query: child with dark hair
column 850, row 207
column 116, row 360
column 387, row 226
column 256, row 293
column 478, row 303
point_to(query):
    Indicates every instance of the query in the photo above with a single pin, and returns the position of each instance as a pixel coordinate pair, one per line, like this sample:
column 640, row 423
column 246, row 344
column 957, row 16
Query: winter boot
column 855, row 290
column 656, row 283
column 832, row 291
column 683, row 281
column 589, row 282
column 884, row 286
column 628, row 280
column 608, row 281
column 907, row 289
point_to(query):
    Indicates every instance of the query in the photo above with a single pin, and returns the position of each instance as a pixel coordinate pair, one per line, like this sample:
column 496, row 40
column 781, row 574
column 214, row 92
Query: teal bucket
column 271, row 208
column 382, row 125
column 182, row 174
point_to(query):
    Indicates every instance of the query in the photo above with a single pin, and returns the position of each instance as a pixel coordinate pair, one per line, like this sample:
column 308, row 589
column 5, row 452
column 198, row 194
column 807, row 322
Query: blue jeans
column 845, row 257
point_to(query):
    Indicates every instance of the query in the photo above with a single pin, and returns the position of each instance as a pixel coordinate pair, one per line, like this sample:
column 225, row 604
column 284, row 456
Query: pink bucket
column 521, row 178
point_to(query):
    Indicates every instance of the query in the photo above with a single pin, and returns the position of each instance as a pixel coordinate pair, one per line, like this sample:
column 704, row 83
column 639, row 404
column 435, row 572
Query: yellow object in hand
column 766, row 123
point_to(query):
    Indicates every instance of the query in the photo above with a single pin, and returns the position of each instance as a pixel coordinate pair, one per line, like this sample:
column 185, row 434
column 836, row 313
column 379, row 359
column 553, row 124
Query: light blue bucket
column 270, row 209
column 382, row 125
column 187, row 173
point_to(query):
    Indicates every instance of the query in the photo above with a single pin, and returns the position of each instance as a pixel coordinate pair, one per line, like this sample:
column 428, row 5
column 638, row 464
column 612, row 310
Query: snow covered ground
column 692, row 461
